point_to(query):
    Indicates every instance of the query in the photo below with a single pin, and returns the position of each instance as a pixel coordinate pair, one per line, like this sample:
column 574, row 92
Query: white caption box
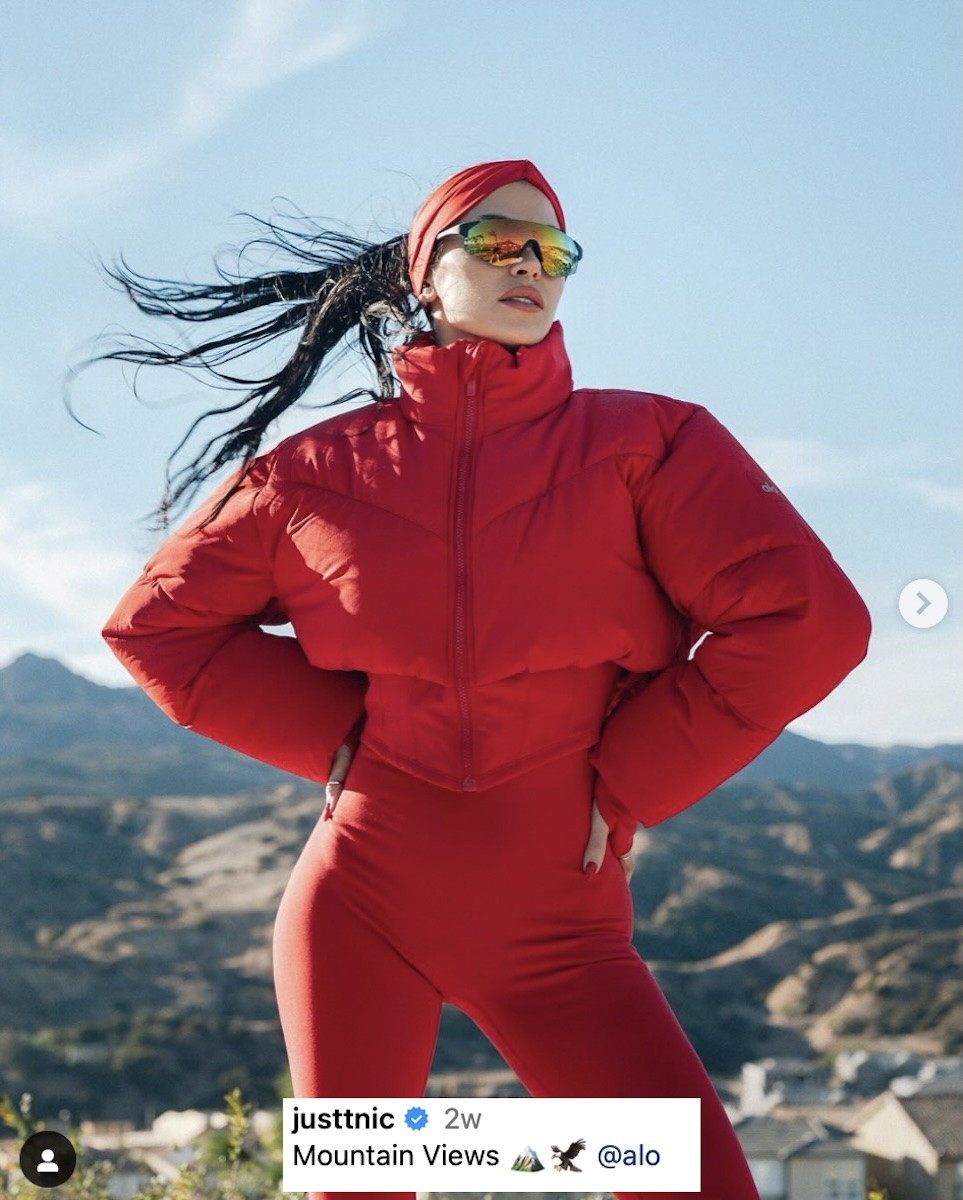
column 501, row 1145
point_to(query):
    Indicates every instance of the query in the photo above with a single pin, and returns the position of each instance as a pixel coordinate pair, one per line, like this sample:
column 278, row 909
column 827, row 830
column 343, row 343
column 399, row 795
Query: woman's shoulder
column 632, row 421
column 309, row 456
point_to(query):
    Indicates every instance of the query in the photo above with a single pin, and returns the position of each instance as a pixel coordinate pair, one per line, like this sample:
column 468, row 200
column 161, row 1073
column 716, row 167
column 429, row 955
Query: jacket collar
column 513, row 387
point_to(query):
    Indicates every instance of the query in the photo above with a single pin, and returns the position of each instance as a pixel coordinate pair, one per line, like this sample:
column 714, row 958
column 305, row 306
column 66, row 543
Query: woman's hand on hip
column 336, row 777
column 594, row 850
column 597, row 845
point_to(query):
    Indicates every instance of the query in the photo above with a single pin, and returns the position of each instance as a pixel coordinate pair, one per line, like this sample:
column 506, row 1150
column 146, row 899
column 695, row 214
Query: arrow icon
column 923, row 603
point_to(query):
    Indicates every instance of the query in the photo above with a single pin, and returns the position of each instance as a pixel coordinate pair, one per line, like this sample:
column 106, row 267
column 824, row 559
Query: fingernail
column 591, row 869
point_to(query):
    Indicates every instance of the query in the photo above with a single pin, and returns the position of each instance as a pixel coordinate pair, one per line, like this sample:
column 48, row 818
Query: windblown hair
column 348, row 288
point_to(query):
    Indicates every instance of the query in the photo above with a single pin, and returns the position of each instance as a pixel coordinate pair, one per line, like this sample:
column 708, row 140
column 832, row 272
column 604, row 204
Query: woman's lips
column 523, row 299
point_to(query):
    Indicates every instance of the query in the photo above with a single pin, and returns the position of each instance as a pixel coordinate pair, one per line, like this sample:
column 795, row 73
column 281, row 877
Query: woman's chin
column 511, row 331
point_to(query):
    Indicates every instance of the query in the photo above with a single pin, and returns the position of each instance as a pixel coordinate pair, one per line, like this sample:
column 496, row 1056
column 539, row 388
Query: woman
column 505, row 580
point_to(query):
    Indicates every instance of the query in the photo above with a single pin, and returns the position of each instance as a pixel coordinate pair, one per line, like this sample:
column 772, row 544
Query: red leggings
column 413, row 895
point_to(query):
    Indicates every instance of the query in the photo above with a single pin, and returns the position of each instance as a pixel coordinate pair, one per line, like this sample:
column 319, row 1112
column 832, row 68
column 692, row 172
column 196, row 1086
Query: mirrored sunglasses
column 501, row 241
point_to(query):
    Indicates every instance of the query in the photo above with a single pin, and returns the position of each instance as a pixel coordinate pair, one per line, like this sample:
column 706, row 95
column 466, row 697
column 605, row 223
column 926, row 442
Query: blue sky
column 768, row 195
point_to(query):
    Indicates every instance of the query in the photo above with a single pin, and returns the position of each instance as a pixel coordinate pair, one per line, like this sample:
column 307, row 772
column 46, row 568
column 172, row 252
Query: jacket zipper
column 461, row 584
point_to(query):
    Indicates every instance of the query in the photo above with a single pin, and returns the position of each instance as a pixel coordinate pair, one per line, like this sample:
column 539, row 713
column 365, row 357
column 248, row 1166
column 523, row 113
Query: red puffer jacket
column 498, row 571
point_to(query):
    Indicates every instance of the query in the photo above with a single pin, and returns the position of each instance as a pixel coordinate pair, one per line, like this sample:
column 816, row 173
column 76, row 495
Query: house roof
column 938, row 1118
column 774, row 1137
column 943, row 1085
column 833, row 1147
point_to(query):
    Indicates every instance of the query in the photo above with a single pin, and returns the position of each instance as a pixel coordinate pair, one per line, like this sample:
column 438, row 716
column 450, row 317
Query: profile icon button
column 923, row 603
column 47, row 1159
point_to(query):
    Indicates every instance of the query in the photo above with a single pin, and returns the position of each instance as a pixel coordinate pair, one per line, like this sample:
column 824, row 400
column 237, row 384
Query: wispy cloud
column 54, row 565
column 271, row 40
column 799, row 463
column 937, row 495
column 266, row 42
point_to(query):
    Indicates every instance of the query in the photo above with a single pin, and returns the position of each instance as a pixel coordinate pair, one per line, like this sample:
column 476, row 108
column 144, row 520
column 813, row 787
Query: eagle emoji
column 563, row 1158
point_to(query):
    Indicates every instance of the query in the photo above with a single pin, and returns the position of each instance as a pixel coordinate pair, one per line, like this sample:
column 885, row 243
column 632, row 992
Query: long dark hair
column 349, row 286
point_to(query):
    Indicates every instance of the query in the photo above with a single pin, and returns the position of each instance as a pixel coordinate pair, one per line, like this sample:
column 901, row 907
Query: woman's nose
column 528, row 263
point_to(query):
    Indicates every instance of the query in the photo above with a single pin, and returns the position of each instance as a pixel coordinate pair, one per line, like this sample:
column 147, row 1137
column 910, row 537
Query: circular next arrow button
column 923, row 603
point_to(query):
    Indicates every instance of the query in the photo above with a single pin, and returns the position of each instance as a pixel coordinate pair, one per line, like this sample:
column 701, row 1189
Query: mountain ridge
column 69, row 734
column 63, row 734
column 136, row 933
column 138, row 884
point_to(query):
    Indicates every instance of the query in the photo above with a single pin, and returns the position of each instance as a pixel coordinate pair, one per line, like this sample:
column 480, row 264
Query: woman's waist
column 474, row 736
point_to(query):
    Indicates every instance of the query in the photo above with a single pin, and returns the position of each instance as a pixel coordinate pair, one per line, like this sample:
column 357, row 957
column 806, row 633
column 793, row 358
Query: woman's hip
column 481, row 871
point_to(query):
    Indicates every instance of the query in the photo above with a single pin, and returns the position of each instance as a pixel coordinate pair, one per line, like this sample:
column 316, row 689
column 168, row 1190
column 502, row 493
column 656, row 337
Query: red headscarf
column 451, row 199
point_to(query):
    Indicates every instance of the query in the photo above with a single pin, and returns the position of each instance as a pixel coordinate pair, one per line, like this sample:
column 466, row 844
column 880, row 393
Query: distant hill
column 795, row 759
column 794, row 919
column 135, row 933
column 61, row 734
column 811, row 903
column 139, row 879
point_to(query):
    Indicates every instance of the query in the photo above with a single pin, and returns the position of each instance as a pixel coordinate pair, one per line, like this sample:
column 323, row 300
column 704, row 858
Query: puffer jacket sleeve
column 188, row 631
column 785, row 627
